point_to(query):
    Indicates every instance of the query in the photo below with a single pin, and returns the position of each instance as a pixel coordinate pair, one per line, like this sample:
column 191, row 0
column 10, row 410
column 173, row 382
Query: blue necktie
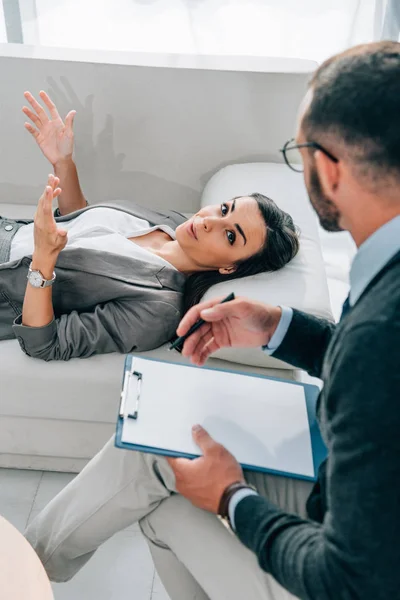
column 346, row 307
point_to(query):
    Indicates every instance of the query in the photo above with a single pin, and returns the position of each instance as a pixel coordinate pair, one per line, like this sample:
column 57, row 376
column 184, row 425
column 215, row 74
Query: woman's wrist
column 63, row 163
column 44, row 263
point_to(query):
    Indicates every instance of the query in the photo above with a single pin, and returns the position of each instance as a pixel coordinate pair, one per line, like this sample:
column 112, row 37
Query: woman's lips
column 192, row 230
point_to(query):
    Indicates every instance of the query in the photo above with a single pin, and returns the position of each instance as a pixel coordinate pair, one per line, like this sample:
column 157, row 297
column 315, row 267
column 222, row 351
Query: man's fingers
column 222, row 311
column 205, row 345
column 31, row 130
column 50, row 105
column 193, row 315
column 201, row 357
column 36, row 106
column 202, row 438
column 32, row 116
column 196, row 338
column 69, row 120
column 57, row 192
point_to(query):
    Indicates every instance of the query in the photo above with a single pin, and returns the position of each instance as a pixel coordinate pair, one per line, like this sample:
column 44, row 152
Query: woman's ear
column 227, row 270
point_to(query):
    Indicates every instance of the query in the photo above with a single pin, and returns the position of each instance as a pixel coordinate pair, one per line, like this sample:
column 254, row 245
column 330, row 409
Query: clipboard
column 160, row 399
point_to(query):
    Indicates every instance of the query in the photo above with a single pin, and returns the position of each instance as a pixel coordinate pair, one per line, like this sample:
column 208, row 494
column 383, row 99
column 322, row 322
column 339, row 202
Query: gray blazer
column 103, row 302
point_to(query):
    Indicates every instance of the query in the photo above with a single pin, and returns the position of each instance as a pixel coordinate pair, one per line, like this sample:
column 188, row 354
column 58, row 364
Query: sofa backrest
column 153, row 128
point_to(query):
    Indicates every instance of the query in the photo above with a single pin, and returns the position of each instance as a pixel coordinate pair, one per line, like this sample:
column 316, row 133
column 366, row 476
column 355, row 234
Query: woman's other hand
column 240, row 323
column 54, row 137
column 48, row 239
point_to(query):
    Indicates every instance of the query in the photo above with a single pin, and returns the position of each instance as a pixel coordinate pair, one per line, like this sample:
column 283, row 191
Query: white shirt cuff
column 234, row 501
column 280, row 331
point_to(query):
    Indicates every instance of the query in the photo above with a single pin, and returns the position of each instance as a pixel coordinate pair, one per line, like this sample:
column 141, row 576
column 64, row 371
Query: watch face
column 35, row 279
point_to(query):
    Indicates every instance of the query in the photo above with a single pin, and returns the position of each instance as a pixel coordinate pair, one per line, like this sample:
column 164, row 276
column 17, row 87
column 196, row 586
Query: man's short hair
column 356, row 99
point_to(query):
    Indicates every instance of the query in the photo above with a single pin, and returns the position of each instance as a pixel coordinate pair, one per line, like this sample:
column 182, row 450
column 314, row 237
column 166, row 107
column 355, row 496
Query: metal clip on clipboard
column 125, row 388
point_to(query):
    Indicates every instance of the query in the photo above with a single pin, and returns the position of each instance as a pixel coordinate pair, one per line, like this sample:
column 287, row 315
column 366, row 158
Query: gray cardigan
column 352, row 552
column 103, row 302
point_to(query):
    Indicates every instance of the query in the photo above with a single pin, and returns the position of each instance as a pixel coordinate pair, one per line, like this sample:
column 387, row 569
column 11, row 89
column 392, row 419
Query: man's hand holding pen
column 240, row 323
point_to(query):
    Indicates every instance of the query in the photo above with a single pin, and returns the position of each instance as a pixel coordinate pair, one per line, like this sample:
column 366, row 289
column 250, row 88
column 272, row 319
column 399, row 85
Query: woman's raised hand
column 49, row 240
column 54, row 137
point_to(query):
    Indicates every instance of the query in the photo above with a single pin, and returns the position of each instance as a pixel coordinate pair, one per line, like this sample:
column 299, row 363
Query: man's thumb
column 204, row 441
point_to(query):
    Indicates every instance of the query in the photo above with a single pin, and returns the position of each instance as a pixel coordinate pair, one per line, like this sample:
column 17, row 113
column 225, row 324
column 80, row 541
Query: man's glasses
column 292, row 154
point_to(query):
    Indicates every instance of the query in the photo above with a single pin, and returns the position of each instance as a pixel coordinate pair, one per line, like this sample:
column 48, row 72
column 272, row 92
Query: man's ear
column 227, row 270
column 328, row 172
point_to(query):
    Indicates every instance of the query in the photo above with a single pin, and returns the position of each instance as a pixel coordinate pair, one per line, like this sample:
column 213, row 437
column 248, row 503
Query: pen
column 178, row 343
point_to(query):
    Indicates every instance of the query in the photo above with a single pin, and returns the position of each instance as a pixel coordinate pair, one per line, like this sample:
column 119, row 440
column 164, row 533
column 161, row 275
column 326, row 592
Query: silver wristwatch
column 37, row 280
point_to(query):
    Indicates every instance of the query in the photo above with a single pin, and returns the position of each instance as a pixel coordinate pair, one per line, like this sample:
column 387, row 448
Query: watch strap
column 223, row 509
column 48, row 282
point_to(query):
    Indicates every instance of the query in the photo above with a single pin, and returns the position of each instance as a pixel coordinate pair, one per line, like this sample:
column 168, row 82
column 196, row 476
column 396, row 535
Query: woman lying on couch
column 117, row 278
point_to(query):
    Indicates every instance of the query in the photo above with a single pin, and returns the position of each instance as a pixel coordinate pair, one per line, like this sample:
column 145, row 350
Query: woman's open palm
column 54, row 137
column 48, row 239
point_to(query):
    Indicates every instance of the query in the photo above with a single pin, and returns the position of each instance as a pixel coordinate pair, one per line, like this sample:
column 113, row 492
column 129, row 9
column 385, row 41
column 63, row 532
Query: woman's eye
column 231, row 237
column 224, row 209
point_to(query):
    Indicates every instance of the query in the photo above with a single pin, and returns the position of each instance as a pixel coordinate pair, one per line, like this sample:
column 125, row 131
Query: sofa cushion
column 301, row 284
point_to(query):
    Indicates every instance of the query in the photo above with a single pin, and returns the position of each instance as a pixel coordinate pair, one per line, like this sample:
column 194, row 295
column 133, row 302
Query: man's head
column 351, row 113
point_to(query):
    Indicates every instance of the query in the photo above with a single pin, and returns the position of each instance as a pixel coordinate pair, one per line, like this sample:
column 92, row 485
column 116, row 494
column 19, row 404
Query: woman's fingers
column 31, row 130
column 69, row 120
column 45, row 202
column 37, row 107
column 53, row 181
column 47, row 205
column 32, row 116
column 50, row 105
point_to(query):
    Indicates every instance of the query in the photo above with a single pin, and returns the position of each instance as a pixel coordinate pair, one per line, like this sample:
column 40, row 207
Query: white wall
column 151, row 134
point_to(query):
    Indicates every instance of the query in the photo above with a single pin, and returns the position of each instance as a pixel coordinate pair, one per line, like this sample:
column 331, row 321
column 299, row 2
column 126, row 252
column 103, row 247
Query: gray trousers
column 195, row 555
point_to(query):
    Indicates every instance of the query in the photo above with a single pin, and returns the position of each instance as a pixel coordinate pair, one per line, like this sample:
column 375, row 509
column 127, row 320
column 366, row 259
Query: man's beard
column 327, row 212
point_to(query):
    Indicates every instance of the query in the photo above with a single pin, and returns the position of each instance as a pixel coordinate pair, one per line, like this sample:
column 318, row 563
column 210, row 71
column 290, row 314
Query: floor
column 122, row 569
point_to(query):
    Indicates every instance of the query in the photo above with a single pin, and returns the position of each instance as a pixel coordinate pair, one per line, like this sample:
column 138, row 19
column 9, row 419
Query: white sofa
column 150, row 128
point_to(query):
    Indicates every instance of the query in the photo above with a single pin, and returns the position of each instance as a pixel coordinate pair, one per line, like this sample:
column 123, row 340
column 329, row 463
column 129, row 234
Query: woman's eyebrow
column 240, row 230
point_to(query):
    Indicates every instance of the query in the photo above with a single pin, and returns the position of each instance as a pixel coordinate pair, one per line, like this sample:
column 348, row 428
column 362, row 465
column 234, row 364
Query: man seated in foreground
column 341, row 543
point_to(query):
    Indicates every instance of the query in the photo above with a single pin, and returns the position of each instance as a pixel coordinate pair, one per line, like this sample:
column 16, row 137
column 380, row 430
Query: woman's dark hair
column 281, row 245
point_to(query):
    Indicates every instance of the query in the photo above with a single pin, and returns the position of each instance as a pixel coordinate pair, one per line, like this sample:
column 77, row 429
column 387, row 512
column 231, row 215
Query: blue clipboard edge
column 319, row 450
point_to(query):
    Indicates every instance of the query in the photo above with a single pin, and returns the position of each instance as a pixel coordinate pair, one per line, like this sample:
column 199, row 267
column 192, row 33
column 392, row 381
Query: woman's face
column 219, row 236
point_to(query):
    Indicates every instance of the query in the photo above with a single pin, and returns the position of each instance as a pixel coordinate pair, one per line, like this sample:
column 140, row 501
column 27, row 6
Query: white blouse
column 103, row 229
